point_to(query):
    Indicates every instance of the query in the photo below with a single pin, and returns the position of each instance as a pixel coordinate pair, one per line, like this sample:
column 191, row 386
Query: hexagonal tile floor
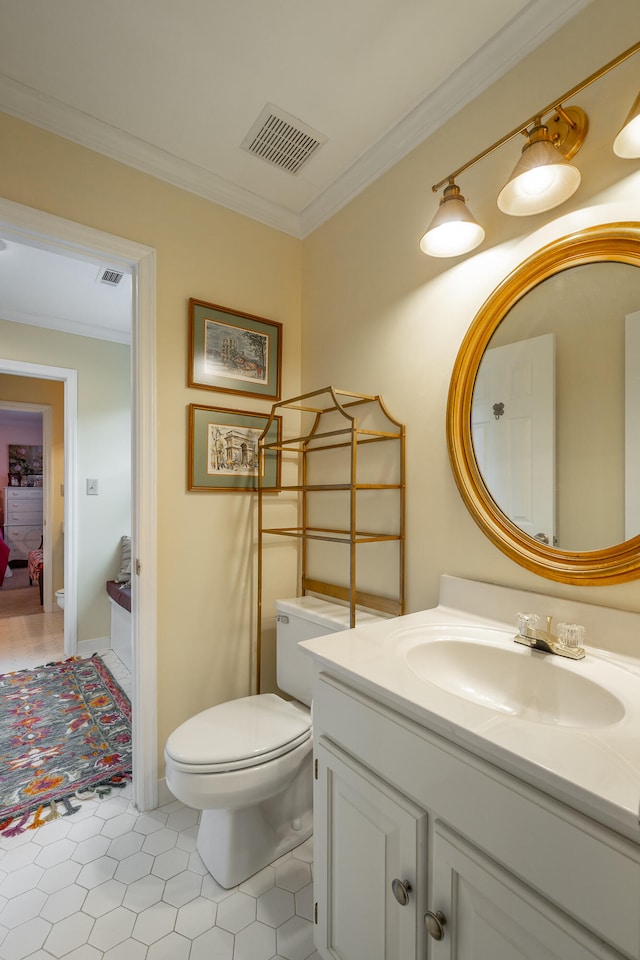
column 113, row 883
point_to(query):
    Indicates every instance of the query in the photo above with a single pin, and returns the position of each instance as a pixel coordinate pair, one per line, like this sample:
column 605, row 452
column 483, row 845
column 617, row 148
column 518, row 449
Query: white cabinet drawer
column 23, row 505
column 23, row 513
column 22, row 494
column 22, row 539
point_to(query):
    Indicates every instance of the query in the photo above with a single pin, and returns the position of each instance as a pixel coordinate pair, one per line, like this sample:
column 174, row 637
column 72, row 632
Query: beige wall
column 381, row 317
column 103, row 452
column 205, row 561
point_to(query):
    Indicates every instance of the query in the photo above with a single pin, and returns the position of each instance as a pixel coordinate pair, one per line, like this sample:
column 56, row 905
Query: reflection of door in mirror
column 513, row 431
column 585, row 308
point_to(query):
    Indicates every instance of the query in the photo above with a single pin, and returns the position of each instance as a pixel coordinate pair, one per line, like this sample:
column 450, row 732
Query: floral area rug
column 65, row 736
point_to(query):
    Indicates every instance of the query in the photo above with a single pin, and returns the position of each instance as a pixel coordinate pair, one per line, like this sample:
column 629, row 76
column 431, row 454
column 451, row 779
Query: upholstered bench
column 121, row 593
column 120, row 603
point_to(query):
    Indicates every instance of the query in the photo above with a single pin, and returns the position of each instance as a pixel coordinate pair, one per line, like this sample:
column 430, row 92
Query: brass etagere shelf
column 335, row 418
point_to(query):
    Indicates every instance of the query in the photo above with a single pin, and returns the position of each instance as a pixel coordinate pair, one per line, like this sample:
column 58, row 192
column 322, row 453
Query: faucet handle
column 527, row 622
column 571, row 634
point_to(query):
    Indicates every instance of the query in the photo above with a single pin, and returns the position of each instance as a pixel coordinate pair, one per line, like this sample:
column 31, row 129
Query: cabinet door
column 492, row 916
column 366, row 836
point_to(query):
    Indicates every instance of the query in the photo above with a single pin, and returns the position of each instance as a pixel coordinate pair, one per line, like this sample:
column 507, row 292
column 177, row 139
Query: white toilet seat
column 238, row 735
column 234, row 789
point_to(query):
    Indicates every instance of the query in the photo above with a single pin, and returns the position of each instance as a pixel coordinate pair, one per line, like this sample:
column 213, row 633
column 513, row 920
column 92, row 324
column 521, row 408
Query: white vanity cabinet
column 506, row 872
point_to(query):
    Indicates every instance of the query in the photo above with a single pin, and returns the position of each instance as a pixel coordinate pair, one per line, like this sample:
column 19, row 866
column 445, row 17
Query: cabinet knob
column 401, row 890
column 435, row 924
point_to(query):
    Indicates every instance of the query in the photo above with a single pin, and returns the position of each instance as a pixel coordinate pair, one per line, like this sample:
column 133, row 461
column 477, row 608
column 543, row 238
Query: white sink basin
column 485, row 667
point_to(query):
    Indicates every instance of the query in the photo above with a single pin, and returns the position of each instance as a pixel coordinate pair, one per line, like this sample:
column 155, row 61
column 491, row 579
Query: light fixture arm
column 555, row 105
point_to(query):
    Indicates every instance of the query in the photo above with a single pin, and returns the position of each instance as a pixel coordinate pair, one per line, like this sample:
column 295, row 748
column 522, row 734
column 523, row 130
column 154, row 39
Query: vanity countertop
column 593, row 768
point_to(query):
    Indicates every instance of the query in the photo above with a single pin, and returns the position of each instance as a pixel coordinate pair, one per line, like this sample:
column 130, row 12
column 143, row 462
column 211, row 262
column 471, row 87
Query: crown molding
column 539, row 20
column 25, row 103
column 62, row 325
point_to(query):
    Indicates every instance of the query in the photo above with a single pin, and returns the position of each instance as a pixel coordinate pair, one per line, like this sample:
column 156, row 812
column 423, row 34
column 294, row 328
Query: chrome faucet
column 566, row 644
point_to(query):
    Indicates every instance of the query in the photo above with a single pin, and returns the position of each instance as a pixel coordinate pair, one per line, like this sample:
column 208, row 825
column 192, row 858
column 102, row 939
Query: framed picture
column 234, row 352
column 223, row 449
column 25, row 464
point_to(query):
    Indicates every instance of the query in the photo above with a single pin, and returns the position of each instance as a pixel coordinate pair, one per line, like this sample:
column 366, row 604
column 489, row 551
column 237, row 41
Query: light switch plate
column 92, row 488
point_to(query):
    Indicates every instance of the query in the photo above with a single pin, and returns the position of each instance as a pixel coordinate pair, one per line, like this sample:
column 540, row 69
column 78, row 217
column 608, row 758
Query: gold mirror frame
column 619, row 242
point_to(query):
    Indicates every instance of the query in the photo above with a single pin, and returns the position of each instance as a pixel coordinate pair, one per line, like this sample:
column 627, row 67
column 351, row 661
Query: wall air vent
column 112, row 277
column 282, row 140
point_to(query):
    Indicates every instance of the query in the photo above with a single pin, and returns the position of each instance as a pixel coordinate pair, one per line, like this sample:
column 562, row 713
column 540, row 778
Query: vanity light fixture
column 627, row 143
column 543, row 178
column 454, row 229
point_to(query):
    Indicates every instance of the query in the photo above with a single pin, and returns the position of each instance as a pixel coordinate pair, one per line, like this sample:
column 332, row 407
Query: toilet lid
column 240, row 733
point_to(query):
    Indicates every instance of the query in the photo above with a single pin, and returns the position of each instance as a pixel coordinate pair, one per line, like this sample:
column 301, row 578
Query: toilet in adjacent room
column 60, row 598
column 247, row 763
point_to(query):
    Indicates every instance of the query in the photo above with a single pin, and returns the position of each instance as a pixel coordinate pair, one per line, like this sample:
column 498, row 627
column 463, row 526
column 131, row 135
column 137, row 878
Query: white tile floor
column 31, row 641
column 117, row 669
column 109, row 882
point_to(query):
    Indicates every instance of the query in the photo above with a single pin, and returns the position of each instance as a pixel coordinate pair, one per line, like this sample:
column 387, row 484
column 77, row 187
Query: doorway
column 25, row 431
column 68, row 378
column 31, row 623
column 30, row 226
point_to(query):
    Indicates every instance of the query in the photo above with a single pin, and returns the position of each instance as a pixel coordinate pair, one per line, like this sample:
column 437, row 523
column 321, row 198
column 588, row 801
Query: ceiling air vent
column 112, row 277
column 281, row 139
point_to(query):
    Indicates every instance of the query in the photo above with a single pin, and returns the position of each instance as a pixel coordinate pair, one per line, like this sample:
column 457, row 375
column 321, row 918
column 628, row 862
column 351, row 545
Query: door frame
column 47, row 490
column 31, row 226
column 69, row 378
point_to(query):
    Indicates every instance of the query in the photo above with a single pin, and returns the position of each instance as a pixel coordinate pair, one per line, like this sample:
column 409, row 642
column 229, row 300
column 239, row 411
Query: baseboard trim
column 164, row 794
column 87, row 648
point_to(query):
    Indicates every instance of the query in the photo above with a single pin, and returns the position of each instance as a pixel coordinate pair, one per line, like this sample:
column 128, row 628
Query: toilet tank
column 303, row 618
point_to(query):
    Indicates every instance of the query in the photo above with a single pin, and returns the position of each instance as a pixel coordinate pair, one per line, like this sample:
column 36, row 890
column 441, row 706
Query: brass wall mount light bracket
column 568, row 127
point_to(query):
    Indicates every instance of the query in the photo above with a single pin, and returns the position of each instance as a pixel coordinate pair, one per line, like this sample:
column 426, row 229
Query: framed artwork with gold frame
column 234, row 352
column 223, row 449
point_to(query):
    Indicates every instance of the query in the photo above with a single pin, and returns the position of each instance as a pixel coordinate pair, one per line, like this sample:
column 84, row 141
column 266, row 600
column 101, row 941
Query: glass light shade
column 627, row 143
column 541, row 180
column 454, row 230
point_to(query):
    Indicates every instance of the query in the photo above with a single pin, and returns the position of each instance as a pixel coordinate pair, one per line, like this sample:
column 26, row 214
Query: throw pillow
column 124, row 574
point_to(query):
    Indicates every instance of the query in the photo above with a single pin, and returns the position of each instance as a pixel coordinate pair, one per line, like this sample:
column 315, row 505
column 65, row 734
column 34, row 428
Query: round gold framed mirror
column 542, row 410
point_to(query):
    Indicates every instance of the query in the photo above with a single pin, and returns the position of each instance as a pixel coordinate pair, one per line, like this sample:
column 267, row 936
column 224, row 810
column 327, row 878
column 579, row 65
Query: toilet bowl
column 247, row 764
column 60, row 598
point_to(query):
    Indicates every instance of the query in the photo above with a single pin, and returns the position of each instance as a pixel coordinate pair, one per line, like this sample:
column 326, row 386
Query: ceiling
column 174, row 88
column 60, row 292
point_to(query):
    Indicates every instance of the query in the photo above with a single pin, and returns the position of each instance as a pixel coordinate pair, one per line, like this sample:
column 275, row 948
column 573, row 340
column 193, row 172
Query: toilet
column 60, row 598
column 246, row 764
